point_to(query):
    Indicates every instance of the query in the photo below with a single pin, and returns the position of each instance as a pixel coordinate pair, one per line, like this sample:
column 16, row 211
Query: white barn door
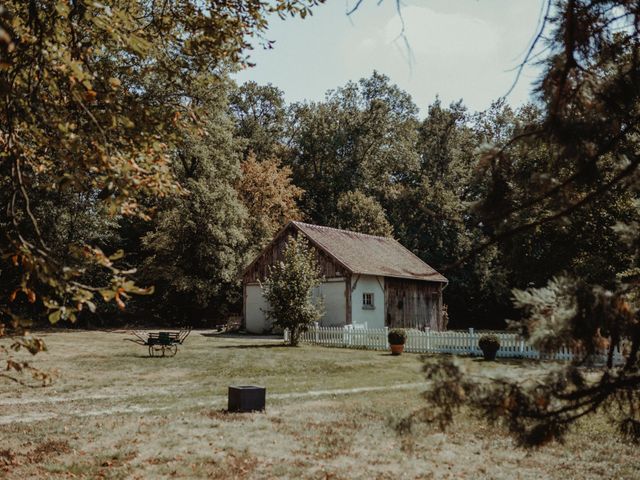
column 255, row 320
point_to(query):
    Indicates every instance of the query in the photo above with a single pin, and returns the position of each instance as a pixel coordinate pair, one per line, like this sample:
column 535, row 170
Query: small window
column 367, row 301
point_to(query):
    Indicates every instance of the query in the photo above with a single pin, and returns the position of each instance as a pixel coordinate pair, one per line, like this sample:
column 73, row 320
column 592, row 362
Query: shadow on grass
column 257, row 345
column 507, row 361
column 224, row 414
column 244, row 336
column 146, row 356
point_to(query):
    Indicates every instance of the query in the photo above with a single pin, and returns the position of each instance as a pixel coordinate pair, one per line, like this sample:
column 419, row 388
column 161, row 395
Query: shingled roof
column 369, row 255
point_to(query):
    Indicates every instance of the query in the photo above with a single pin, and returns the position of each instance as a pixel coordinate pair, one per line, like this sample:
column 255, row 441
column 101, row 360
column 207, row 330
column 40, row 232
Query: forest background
column 363, row 160
column 145, row 154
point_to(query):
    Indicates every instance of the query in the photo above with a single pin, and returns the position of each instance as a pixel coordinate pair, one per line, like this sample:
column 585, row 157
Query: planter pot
column 397, row 349
column 489, row 354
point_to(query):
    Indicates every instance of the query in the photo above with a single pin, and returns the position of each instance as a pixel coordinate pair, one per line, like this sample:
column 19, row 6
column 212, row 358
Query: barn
column 367, row 280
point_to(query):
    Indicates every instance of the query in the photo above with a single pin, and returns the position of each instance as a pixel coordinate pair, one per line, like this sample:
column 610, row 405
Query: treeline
column 362, row 159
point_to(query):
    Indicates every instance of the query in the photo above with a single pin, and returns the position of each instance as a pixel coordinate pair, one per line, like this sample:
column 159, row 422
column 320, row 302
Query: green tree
column 260, row 117
column 362, row 137
column 361, row 213
column 195, row 249
column 431, row 215
column 288, row 289
column 591, row 248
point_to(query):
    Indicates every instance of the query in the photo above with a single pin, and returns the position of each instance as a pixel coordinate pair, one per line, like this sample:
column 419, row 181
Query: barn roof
column 368, row 254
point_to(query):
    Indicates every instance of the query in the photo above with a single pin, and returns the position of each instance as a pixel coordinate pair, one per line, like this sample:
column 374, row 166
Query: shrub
column 397, row 336
column 489, row 344
column 288, row 289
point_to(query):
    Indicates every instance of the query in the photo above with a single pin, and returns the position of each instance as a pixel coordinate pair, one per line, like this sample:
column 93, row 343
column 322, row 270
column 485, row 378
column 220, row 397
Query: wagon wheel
column 172, row 350
column 156, row 351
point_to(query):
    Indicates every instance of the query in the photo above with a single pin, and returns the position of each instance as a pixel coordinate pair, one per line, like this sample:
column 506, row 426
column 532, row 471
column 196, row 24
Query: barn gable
column 257, row 270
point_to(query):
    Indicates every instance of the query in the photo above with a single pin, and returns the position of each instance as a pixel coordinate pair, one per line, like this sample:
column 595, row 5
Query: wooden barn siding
column 413, row 304
column 328, row 267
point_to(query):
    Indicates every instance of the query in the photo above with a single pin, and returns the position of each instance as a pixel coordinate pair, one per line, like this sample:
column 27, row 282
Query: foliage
column 266, row 191
column 570, row 172
column 591, row 248
column 260, row 118
column 96, row 98
column 432, row 216
column 361, row 137
column 361, row 213
column 194, row 249
column 31, row 344
column 397, row 336
column 535, row 410
column 489, row 344
column 289, row 287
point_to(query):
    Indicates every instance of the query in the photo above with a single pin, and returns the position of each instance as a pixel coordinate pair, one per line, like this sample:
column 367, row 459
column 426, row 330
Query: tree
column 289, row 287
column 361, row 213
column 362, row 137
column 270, row 198
column 196, row 249
column 260, row 115
column 588, row 129
column 591, row 249
column 95, row 100
column 433, row 218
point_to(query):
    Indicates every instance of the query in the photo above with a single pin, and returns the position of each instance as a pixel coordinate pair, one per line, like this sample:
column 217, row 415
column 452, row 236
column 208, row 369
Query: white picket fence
column 454, row 342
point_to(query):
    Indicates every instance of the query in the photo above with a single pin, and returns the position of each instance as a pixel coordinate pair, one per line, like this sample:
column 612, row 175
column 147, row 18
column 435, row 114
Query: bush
column 489, row 344
column 397, row 336
column 288, row 289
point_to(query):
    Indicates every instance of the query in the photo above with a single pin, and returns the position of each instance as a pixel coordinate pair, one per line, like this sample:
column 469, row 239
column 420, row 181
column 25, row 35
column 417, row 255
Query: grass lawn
column 115, row 413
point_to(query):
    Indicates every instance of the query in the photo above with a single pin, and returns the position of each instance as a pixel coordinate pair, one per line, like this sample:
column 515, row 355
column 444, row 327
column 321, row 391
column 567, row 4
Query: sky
column 459, row 49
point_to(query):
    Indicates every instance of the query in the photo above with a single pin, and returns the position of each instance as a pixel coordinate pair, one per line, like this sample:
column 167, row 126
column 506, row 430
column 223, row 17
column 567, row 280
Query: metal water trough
column 246, row 398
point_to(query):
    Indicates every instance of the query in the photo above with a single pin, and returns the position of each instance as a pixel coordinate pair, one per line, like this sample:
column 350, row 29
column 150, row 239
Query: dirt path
column 213, row 401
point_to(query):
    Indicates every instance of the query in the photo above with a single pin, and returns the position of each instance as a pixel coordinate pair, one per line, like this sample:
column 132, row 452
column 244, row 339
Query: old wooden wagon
column 161, row 344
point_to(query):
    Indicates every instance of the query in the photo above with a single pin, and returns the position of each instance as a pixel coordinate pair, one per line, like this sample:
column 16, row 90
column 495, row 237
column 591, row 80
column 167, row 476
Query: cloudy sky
column 458, row 49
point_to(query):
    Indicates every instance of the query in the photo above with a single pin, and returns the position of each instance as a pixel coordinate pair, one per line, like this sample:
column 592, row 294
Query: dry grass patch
column 48, row 449
column 325, row 440
column 225, row 415
column 230, row 464
column 115, row 414
column 8, row 459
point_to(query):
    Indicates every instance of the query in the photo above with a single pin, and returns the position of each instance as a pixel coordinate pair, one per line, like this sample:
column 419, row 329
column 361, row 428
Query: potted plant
column 489, row 344
column 397, row 337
